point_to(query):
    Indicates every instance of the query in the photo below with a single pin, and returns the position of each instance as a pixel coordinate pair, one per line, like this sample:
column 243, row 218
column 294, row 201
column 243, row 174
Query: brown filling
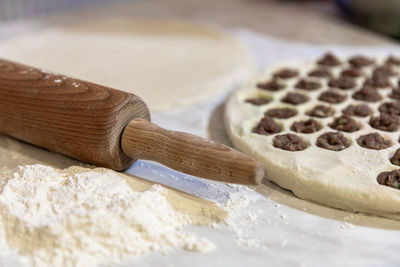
column 329, row 60
column 393, row 60
column 286, row 73
column 271, row 85
column 373, row 141
column 380, row 77
column 377, row 81
column 395, row 159
column 384, row 71
column 385, row 122
column 333, row 141
column 307, row 85
column 290, row 142
column 361, row 61
column 320, row 73
column 281, row 113
column 354, row 73
column 391, row 108
column 344, row 123
column 395, row 94
column 257, row 101
column 267, row 126
column 332, row 97
column 390, row 179
column 357, row 110
column 320, row 111
column 344, row 82
column 294, row 98
column 367, row 94
column 307, row 126
column 336, row 141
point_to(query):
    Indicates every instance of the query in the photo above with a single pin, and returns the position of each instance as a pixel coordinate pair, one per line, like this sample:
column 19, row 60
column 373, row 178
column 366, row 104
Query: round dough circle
column 167, row 63
column 344, row 179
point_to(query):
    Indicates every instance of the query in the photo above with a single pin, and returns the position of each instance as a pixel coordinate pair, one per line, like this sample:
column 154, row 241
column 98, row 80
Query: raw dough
column 167, row 63
column 346, row 179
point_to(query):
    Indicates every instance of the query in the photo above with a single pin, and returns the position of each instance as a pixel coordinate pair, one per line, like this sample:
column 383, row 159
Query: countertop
column 289, row 231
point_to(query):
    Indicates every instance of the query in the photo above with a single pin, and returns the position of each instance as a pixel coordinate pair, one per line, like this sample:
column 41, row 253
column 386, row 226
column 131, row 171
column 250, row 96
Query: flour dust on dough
column 167, row 63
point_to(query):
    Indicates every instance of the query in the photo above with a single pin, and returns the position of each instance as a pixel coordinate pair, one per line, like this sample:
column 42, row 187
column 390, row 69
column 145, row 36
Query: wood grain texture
column 106, row 127
column 189, row 153
column 79, row 119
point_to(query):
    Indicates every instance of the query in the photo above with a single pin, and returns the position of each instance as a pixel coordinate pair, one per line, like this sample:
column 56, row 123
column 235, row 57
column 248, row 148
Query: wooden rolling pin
column 106, row 127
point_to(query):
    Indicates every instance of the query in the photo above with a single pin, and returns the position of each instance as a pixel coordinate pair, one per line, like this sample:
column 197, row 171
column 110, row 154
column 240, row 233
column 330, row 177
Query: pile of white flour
column 66, row 217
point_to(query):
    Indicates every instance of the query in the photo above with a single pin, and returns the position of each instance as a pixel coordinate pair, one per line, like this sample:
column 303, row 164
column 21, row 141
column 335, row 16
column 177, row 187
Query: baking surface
column 155, row 59
column 288, row 231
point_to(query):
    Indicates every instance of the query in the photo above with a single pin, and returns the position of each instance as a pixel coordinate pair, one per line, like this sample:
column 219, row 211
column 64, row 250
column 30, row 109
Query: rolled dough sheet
column 167, row 63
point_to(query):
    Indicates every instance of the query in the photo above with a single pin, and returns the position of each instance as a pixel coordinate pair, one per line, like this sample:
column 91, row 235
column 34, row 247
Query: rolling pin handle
column 189, row 153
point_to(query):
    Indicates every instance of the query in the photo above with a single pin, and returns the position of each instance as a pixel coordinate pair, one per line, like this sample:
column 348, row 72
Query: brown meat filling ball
column 281, row 113
column 307, row 126
column 390, row 179
column 384, row 71
column 361, row 61
column 391, row 108
column 257, row 101
column 344, row 123
column 272, row 85
column 329, row 60
column 267, row 126
column 393, row 61
column 377, row 82
column 286, row 73
column 354, row 73
column 307, row 85
column 295, row 98
column 333, row 141
column 290, row 142
column 373, row 141
column 380, row 77
column 320, row 73
column 395, row 159
column 395, row 94
column 332, row 97
column 320, row 111
column 367, row 94
column 357, row 110
column 343, row 82
column 385, row 122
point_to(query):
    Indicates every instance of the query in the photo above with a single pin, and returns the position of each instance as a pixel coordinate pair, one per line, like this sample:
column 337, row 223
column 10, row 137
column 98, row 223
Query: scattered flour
column 69, row 218
column 86, row 217
column 346, row 225
column 243, row 216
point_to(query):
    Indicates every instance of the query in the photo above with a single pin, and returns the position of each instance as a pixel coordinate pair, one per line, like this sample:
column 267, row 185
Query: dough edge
column 367, row 198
